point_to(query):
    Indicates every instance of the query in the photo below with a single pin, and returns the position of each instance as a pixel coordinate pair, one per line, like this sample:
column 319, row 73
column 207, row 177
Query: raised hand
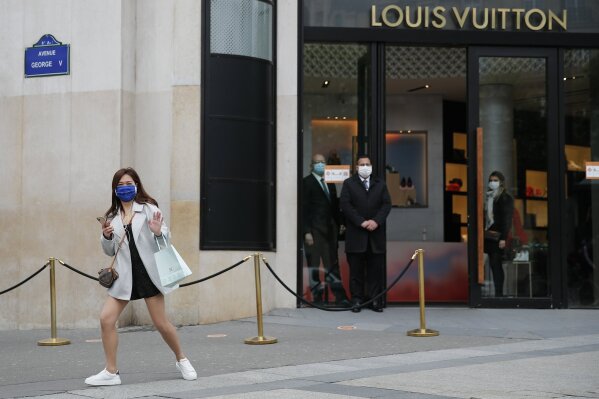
column 155, row 223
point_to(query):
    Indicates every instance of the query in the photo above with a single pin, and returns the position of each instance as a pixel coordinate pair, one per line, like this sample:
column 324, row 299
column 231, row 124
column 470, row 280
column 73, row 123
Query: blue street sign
column 47, row 57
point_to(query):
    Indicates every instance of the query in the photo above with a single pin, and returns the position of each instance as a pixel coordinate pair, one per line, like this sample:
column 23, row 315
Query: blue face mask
column 319, row 168
column 126, row 193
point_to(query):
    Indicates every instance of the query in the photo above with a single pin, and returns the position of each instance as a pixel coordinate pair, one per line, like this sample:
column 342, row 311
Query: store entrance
column 512, row 128
column 406, row 107
column 415, row 111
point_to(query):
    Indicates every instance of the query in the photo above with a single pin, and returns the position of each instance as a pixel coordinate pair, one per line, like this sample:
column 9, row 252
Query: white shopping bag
column 171, row 266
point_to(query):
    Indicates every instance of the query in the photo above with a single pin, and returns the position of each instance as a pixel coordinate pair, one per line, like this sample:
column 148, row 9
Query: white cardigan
column 146, row 246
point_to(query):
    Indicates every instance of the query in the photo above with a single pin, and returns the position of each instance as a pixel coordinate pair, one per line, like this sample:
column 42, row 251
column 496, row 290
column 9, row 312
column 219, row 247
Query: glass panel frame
column 581, row 194
column 552, row 167
column 335, row 126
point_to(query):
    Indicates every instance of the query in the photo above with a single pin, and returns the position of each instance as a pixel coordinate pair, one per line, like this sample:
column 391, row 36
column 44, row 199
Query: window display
column 406, row 168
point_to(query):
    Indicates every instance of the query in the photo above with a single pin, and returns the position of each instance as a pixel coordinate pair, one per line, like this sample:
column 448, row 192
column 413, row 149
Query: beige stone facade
column 132, row 99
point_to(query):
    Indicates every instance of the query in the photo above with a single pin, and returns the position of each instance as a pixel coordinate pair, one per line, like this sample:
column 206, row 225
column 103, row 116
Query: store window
column 581, row 221
column 426, row 164
column 335, row 97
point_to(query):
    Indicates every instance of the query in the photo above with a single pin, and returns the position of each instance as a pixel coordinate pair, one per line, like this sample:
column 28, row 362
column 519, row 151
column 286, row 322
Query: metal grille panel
column 339, row 61
column 241, row 27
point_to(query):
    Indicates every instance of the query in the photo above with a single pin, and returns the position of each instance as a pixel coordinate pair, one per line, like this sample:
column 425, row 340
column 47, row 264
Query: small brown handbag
column 108, row 275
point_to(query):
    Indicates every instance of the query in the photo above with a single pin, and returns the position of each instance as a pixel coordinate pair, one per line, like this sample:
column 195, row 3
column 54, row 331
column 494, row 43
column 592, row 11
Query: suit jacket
column 503, row 212
column 146, row 246
column 359, row 205
column 319, row 212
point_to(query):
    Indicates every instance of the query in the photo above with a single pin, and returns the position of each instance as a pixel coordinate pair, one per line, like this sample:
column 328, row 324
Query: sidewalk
column 481, row 353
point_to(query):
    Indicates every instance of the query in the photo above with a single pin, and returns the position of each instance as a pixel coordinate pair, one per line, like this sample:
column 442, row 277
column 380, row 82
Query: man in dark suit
column 321, row 224
column 365, row 203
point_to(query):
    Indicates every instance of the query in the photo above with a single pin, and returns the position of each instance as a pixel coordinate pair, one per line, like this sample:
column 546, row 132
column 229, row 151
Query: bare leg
column 155, row 306
column 110, row 339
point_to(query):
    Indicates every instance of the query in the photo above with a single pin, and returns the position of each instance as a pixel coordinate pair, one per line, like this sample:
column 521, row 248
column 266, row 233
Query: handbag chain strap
column 121, row 242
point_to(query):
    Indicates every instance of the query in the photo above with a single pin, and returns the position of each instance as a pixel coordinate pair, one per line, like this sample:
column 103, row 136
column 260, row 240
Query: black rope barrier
column 217, row 273
column 77, row 271
column 334, row 309
column 24, row 281
column 96, row 279
column 181, row 285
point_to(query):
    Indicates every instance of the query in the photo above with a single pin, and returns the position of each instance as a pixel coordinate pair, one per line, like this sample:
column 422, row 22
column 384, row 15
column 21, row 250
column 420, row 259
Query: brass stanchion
column 422, row 331
column 53, row 341
column 260, row 339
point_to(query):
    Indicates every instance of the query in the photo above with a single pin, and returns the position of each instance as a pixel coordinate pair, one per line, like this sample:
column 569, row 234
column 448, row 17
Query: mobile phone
column 102, row 220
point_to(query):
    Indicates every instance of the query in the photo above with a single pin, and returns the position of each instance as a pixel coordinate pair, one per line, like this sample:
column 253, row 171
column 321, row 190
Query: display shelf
column 536, row 183
column 536, row 213
column 456, row 187
column 535, row 206
column 460, row 146
column 576, row 157
column 457, row 162
column 459, row 205
column 536, row 198
column 456, row 171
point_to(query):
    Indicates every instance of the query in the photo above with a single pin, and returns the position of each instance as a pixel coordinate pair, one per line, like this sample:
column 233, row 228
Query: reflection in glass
column 581, row 228
column 512, row 113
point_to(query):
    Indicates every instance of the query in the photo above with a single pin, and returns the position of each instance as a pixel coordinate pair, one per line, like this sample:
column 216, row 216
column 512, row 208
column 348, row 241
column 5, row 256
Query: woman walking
column 133, row 222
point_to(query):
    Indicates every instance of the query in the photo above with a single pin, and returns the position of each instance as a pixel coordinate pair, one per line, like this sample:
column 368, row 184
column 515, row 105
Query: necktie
column 325, row 188
column 366, row 184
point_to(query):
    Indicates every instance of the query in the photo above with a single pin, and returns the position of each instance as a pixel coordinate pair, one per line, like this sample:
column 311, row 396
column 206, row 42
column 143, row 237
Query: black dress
column 142, row 286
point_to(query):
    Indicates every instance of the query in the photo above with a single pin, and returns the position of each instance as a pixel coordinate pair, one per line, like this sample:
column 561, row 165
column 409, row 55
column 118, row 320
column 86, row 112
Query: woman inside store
column 129, row 231
column 499, row 209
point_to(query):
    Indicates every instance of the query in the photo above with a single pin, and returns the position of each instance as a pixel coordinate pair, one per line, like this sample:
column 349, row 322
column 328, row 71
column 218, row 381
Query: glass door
column 513, row 129
column 426, row 170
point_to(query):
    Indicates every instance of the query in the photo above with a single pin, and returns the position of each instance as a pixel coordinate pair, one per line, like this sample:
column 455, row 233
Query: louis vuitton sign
column 500, row 19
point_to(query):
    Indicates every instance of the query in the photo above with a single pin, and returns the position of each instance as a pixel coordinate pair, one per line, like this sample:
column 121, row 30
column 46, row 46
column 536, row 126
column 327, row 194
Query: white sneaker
column 104, row 377
column 186, row 369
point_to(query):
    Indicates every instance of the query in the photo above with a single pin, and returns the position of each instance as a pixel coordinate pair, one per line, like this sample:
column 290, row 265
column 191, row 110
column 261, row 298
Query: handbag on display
column 171, row 266
column 492, row 235
column 108, row 275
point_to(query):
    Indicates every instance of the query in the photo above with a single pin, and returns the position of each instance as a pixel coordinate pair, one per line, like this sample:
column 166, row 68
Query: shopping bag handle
column 163, row 238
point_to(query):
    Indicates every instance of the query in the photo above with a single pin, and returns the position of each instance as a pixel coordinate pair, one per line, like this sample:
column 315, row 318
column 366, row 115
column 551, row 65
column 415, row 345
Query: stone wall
column 132, row 99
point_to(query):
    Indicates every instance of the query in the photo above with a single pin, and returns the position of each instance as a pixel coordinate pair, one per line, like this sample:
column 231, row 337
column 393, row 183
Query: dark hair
column 498, row 175
column 141, row 197
column 501, row 178
column 360, row 156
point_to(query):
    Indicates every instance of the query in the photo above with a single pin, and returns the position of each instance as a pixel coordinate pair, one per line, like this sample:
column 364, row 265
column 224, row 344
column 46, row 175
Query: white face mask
column 364, row 171
column 493, row 185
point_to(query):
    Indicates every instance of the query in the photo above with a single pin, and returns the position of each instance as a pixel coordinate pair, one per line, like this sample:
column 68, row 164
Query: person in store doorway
column 365, row 203
column 499, row 210
column 130, row 228
column 321, row 228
